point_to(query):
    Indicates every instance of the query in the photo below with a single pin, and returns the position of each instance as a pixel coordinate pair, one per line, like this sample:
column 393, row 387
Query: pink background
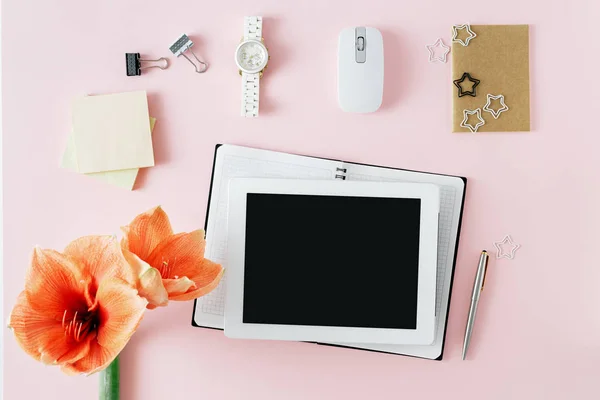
column 538, row 331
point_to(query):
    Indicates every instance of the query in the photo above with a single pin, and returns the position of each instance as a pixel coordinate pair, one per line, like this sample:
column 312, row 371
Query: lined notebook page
column 242, row 162
column 451, row 194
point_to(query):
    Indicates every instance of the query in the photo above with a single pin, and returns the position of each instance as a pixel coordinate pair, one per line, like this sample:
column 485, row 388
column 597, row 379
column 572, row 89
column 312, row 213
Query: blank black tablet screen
column 331, row 261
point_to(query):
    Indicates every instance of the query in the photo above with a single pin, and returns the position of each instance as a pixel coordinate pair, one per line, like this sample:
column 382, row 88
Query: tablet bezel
column 424, row 334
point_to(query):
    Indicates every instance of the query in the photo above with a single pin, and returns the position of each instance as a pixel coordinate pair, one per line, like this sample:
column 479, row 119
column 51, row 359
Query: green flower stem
column 109, row 381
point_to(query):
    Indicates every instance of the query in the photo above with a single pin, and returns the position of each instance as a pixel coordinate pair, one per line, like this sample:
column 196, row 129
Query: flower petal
column 120, row 311
column 100, row 256
column 96, row 359
column 180, row 255
column 27, row 325
column 54, row 284
column 61, row 350
column 149, row 282
column 43, row 338
column 178, row 286
column 206, row 281
column 146, row 231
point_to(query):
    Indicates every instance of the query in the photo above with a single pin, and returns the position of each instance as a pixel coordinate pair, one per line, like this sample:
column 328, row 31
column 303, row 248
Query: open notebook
column 235, row 161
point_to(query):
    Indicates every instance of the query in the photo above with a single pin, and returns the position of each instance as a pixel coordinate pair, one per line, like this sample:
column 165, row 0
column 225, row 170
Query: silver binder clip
column 184, row 44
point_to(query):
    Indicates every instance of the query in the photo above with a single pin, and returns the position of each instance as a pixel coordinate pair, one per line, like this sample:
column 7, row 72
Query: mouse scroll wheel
column 360, row 43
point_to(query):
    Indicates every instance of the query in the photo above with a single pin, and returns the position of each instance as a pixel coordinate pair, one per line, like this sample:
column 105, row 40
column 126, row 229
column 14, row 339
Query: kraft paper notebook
column 112, row 132
column 236, row 161
column 498, row 57
column 124, row 178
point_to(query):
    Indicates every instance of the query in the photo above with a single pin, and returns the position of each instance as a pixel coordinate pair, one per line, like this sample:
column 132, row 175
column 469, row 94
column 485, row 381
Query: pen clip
column 487, row 258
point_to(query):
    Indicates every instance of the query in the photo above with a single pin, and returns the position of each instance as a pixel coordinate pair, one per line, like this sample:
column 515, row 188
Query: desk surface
column 538, row 326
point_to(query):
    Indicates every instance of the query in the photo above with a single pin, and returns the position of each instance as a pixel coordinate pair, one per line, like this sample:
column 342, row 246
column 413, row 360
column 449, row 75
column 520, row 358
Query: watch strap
column 250, row 82
column 252, row 28
column 250, row 88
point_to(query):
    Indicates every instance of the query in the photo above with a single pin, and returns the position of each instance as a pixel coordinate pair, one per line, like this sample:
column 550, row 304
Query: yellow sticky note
column 124, row 178
column 111, row 132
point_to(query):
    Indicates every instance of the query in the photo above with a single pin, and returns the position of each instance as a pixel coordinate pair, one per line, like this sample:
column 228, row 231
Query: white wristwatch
column 251, row 57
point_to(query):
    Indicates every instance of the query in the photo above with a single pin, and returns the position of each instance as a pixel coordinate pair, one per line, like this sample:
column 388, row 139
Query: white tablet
column 332, row 261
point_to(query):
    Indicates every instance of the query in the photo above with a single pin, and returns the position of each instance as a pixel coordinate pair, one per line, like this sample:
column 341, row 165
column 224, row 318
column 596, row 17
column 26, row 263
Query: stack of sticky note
column 111, row 137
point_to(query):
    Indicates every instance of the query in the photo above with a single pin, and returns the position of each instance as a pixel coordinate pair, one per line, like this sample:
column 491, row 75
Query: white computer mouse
column 360, row 69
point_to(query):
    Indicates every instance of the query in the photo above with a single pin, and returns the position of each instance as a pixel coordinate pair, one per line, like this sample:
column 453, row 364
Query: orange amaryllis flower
column 79, row 308
column 169, row 266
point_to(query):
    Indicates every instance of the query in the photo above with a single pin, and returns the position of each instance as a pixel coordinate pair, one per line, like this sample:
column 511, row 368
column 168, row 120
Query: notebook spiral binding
column 341, row 176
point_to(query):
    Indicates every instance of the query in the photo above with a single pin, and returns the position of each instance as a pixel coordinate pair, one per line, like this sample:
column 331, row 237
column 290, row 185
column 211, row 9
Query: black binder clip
column 183, row 45
column 133, row 62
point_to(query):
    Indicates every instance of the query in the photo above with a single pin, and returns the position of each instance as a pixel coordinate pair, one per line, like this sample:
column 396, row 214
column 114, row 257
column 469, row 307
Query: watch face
column 251, row 56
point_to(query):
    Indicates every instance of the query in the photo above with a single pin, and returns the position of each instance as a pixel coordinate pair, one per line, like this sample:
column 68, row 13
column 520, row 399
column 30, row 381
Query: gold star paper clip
column 500, row 248
column 495, row 113
column 457, row 28
column 465, row 123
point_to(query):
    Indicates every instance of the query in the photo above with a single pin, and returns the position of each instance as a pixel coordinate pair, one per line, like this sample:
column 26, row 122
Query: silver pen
column 477, row 289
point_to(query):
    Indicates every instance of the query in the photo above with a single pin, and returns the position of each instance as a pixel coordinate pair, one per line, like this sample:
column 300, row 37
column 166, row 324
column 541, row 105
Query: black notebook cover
column 368, row 165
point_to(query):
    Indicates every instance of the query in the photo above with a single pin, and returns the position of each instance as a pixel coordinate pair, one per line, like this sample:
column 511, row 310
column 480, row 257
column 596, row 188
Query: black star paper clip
column 473, row 91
